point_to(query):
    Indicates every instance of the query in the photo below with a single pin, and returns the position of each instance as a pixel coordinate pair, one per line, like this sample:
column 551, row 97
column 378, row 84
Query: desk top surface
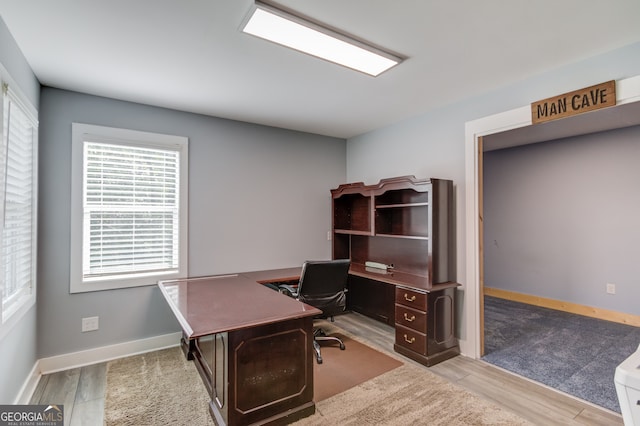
column 415, row 282
column 217, row 304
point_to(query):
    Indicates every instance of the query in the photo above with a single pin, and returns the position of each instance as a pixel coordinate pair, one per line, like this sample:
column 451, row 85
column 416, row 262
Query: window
column 129, row 208
column 18, row 206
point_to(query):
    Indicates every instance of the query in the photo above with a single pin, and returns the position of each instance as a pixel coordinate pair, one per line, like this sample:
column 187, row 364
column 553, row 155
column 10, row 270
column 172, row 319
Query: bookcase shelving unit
column 406, row 224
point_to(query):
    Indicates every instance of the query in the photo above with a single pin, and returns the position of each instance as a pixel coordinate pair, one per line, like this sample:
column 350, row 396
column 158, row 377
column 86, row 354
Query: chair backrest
column 323, row 285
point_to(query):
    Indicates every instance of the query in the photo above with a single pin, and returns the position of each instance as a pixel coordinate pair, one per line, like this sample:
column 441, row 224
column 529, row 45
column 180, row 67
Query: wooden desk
column 251, row 345
column 422, row 313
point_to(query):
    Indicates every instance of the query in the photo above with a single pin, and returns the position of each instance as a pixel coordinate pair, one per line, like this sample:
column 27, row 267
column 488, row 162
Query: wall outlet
column 329, row 235
column 90, row 324
column 611, row 288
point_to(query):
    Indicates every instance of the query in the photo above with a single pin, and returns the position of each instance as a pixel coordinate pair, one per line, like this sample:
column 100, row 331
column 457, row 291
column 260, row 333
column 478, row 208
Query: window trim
column 132, row 138
column 17, row 97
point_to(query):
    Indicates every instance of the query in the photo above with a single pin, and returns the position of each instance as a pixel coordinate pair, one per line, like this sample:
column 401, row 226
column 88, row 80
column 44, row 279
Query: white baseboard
column 29, row 386
column 93, row 356
column 107, row 353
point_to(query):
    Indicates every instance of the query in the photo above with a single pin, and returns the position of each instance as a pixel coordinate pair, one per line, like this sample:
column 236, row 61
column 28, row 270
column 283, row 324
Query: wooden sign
column 573, row 103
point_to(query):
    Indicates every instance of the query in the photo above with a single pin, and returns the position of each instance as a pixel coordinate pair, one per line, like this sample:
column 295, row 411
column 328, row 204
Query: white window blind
column 18, row 207
column 131, row 210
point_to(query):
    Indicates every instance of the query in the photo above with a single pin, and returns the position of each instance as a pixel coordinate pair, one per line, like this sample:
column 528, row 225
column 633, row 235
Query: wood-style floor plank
column 541, row 410
column 37, row 393
column 594, row 416
column 88, row 407
column 88, row 413
column 376, row 333
column 92, row 384
column 61, row 389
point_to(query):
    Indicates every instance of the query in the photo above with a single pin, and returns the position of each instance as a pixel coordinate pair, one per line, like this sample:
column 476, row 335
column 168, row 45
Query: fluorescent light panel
column 292, row 31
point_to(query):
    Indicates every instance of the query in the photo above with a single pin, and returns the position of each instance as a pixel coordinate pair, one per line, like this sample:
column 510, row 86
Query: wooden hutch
column 399, row 235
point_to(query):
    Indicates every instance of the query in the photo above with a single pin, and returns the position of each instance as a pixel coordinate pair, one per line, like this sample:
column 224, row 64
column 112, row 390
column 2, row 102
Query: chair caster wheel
column 319, row 359
column 342, row 346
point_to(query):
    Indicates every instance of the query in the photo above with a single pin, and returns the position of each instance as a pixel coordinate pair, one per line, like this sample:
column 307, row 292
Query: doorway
column 514, row 128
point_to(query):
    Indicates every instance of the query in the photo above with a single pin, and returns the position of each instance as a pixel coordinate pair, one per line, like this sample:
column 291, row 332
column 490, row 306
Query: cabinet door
column 372, row 298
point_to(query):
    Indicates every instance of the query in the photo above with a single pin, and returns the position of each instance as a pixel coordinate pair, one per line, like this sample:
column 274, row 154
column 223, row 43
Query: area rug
column 162, row 387
column 409, row 395
column 156, row 388
column 142, row 389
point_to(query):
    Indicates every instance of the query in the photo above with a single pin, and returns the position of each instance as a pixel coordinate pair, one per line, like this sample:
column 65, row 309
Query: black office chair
column 323, row 284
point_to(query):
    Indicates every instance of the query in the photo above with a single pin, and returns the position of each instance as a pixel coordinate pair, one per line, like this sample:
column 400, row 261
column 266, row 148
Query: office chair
column 322, row 285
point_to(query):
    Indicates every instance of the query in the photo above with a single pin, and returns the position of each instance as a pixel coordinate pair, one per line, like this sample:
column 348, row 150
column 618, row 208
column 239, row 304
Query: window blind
column 18, row 210
column 131, row 210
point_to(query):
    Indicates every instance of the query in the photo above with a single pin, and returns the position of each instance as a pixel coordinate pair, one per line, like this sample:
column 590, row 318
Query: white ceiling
column 190, row 55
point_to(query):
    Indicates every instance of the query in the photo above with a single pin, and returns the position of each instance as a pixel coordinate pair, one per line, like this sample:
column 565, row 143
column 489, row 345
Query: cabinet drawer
column 411, row 298
column 411, row 339
column 411, row 318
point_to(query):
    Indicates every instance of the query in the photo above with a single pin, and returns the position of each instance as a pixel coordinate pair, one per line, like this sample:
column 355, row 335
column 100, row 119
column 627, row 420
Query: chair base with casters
column 320, row 336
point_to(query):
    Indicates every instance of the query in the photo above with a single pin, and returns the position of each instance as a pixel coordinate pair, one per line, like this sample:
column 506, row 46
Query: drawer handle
column 409, row 299
column 409, row 341
column 409, row 318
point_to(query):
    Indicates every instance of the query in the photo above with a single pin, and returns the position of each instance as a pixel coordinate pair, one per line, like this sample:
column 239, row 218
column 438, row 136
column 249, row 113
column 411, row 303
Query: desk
column 251, row 345
column 423, row 314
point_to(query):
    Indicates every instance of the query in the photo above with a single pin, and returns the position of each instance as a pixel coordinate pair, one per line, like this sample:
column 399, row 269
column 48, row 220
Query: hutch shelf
column 404, row 227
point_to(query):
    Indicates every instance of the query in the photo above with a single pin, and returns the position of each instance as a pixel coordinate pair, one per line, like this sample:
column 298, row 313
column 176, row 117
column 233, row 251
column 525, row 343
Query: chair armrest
column 288, row 290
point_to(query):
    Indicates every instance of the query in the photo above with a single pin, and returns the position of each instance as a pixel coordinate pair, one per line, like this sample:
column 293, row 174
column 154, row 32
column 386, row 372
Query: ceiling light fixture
column 295, row 32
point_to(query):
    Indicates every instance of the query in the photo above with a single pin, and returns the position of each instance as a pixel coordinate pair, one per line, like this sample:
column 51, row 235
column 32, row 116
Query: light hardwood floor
column 82, row 390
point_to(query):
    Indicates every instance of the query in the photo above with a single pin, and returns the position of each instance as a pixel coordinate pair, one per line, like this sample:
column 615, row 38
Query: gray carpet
column 572, row 353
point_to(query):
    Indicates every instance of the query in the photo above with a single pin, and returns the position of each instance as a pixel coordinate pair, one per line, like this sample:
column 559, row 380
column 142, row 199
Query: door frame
column 627, row 91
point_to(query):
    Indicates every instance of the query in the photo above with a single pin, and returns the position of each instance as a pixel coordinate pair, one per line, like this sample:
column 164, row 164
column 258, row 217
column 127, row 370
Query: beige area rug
column 163, row 388
column 156, row 388
column 141, row 389
column 408, row 395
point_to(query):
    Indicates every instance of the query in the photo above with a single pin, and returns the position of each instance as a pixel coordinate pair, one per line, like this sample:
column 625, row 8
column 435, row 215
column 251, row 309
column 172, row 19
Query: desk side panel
column 271, row 371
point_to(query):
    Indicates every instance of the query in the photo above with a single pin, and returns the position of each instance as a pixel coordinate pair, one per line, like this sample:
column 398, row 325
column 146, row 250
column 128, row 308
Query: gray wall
column 432, row 144
column 258, row 198
column 561, row 219
column 18, row 347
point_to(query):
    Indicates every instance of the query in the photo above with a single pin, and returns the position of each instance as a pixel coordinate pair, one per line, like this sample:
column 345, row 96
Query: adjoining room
column 550, row 312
